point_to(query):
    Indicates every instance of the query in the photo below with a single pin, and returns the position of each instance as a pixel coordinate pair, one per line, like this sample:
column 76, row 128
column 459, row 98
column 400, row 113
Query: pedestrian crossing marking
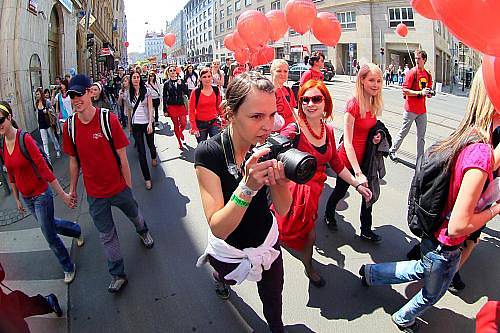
column 27, row 240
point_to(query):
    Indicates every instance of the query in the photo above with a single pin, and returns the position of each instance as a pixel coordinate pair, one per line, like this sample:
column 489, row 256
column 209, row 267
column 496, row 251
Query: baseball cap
column 79, row 84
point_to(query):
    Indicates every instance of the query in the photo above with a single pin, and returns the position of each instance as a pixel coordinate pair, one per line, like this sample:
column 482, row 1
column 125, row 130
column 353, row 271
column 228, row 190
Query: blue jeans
column 437, row 268
column 42, row 208
column 100, row 210
column 207, row 128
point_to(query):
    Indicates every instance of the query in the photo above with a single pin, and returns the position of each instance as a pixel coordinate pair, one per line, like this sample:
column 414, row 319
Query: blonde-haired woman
column 469, row 159
column 285, row 100
column 360, row 116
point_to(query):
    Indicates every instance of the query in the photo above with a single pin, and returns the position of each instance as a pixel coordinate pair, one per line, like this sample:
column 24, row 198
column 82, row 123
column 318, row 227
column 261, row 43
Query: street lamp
column 463, row 66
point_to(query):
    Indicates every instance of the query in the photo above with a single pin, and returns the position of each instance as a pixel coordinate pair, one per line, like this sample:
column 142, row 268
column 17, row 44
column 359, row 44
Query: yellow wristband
column 239, row 202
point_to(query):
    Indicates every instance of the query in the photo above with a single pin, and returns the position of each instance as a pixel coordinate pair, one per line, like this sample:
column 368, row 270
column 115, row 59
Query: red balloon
column 126, row 44
column 326, row 28
column 472, row 22
column 266, row 55
column 402, row 30
column 277, row 24
column 491, row 78
column 229, row 42
column 242, row 56
column 254, row 59
column 253, row 27
column 239, row 43
column 300, row 15
column 424, row 8
column 169, row 39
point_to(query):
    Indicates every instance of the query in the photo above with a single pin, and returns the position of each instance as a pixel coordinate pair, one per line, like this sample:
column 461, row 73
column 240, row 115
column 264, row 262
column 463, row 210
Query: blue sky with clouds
column 154, row 12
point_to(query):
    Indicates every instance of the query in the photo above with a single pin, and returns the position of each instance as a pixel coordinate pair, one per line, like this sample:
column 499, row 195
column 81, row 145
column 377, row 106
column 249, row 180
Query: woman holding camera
column 360, row 116
column 468, row 156
column 234, row 191
column 204, row 108
column 316, row 138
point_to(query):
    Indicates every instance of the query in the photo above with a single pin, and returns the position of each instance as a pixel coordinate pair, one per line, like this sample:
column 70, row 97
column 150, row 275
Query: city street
column 167, row 293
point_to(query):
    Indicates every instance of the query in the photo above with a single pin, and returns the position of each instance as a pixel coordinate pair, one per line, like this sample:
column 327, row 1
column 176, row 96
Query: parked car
column 264, row 69
column 295, row 71
column 328, row 71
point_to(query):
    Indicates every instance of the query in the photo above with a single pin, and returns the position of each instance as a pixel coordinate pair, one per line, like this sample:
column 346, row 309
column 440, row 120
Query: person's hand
column 257, row 173
column 361, row 179
column 74, row 199
column 20, row 207
column 425, row 91
column 365, row 192
column 377, row 138
column 194, row 132
column 150, row 128
column 68, row 200
column 276, row 174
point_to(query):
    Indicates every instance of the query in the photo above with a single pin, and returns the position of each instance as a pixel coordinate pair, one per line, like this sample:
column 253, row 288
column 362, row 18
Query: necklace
column 316, row 136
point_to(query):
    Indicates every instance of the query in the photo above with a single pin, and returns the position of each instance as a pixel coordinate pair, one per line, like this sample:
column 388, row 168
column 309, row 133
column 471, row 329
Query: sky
column 153, row 12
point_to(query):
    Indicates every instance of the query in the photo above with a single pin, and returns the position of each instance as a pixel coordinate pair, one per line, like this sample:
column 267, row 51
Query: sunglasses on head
column 73, row 94
column 315, row 99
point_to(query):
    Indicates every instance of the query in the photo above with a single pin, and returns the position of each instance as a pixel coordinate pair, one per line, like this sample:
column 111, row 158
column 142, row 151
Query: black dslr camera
column 431, row 92
column 299, row 166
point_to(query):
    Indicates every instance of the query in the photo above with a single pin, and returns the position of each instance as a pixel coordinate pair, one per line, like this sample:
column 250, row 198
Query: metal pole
column 87, row 24
column 463, row 67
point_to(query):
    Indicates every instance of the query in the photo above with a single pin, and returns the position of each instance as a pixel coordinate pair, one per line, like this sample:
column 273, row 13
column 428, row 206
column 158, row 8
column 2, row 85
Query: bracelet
column 239, row 202
column 356, row 187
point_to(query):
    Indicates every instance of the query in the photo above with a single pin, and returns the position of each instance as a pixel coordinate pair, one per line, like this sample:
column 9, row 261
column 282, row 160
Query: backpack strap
column 106, row 130
column 25, row 153
column 2, row 150
column 197, row 93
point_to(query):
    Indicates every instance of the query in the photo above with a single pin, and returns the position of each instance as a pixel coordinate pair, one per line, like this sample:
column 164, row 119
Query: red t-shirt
column 488, row 318
column 101, row 174
column 208, row 107
column 311, row 74
column 416, row 104
column 21, row 171
column 285, row 102
column 474, row 156
column 362, row 127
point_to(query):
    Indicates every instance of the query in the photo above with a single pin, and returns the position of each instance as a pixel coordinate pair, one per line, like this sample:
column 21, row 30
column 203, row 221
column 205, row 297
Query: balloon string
column 408, row 49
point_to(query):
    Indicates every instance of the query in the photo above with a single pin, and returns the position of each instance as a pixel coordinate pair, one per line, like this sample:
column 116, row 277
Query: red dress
column 298, row 223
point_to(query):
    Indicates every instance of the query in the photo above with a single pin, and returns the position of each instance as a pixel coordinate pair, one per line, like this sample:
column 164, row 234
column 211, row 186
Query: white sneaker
column 70, row 276
column 80, row 240
column 58, row 154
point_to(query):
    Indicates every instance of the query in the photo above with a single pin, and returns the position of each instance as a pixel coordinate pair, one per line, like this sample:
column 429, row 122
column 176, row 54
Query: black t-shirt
column 258, row 219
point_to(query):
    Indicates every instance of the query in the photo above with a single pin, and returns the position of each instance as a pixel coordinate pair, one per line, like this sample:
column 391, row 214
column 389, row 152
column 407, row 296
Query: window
column 401, row 14
column 221, row 27
column 261, row 9
column 215, row 17
column 221, row 14
column 237, row 5
column 347, row 20
column 205, row 37
column 204, row 25
column 210, row 35
column 229, row 10
column 276, row 5
column 248, row 3
column 209, row 23
column 215, row 29
column 236, row 20
column 229, row 24
column 221, row 2
column 209, row 11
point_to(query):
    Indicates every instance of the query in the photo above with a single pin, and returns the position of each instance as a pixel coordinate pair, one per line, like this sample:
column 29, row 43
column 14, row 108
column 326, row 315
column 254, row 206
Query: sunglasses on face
column 73, row 94
column 315, row 99
column 2, row 120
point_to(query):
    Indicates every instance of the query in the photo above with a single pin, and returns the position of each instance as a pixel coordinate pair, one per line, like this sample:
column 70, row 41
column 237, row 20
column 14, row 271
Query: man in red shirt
column 416, row 87
column 106, row 175
column 317, row 62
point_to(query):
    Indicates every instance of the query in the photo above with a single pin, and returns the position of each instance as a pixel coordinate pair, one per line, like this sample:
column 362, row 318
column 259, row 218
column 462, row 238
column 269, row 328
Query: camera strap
column 228, row 149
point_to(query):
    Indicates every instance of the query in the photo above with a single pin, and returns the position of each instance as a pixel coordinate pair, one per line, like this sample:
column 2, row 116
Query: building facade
column 178, row 53
column 153, row 45
column 199, row 15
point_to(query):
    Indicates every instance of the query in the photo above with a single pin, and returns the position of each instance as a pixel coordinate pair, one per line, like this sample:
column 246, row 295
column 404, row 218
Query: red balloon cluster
column 169, row 39
column 300, row 15
column 402, row 30
column 277, row 24
column 491, row 78
column 472, row 22
column 253, row 28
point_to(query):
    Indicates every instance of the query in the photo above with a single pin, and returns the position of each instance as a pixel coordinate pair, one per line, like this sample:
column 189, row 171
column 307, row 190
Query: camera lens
column 299, row 166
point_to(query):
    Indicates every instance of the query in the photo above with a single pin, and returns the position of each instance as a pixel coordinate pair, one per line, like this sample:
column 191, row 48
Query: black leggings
column 338, row 194
column 156, row 104
column 139, row 131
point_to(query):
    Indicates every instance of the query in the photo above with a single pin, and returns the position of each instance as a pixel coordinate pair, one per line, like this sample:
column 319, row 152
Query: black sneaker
column 456, row 284
column 54, row 304
column 414, row 253
column 222, row 290
column 331, row 223
column 117, row 283
column 363, row 278
column 370, row 236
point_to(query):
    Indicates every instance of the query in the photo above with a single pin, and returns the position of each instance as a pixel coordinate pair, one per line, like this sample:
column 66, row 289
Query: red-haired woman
column 316, row 138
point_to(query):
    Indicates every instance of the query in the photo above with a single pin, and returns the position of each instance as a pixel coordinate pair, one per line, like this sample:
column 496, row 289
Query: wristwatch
column 247, row 191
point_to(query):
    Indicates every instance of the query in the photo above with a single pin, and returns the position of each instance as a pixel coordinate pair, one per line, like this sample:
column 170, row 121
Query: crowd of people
column 232, row 112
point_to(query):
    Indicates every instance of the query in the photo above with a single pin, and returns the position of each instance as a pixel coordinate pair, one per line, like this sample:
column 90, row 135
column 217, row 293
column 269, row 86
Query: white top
column 155, row 94
column 67, row 104
column 192, row 82
column 141, row 115
column 217, row 77
column 252, row 261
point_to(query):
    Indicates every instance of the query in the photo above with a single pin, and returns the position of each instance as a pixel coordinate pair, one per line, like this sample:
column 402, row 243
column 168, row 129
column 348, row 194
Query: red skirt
column 176, row 111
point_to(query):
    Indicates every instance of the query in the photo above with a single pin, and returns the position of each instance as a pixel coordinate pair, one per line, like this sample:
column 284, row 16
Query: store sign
column 296, row 49
column 33, row 6
column 68, row 4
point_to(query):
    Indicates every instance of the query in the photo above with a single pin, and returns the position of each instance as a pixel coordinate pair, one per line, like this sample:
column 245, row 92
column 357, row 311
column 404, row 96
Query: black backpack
column 26, row 154
column 197, row 93
column 428, row 194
